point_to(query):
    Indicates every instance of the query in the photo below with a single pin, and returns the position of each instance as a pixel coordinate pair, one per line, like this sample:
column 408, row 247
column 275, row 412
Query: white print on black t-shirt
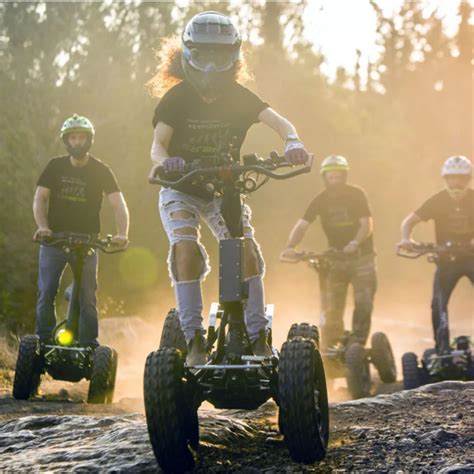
column 207, row 137
column 458, row 221
column 338, row 216
column 72, row 189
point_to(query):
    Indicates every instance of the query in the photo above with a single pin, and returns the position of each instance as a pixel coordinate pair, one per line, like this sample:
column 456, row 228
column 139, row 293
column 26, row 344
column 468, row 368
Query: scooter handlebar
column 449, row 249
column 75, row 239
column 267, row 169
column 306, row 255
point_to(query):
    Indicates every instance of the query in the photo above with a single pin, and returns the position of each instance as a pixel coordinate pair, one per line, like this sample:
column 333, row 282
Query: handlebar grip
column 276, row 158
column 159, row 174
column 156, row 172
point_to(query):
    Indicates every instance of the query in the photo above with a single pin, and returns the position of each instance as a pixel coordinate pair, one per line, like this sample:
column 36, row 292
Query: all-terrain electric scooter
column 457, row 363
column 234, row 377
column 63, row 358
column 349, row 358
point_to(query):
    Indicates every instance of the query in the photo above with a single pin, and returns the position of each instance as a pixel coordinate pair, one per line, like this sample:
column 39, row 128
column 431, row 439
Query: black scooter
column 234, row 377
column 348, row 358
column 458, row 362
column 63, row 358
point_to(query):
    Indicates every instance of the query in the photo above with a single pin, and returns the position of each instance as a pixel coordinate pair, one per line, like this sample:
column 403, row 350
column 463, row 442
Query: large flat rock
column 429, row 429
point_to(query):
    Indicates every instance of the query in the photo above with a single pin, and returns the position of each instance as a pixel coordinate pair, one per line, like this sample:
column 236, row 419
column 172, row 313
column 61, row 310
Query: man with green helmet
column 347, row 222
column 68, row 198
column 77, row 124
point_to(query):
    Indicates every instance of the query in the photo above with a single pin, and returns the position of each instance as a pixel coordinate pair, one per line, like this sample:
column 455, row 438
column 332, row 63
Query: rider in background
column 452, row 211
column 347, row 222
column 203, row 108
column 68, row 198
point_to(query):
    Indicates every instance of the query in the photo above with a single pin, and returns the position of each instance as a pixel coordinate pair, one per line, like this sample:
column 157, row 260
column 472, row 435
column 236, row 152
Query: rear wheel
column 382, row 357
column 357, row 371
column 304, row 412
column 172, row 424
column 28, row 368
column 103, row 375
column 172, row 335
column 305, row 330
column 411, row 373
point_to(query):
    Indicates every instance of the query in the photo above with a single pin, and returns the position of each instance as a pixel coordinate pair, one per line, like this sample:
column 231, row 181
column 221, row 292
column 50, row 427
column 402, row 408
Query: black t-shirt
column 340, row 211
column 76, row 194
column 454, row 220
column 203, row 129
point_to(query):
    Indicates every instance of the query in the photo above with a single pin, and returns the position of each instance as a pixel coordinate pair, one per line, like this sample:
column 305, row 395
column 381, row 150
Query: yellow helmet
column 334, row 163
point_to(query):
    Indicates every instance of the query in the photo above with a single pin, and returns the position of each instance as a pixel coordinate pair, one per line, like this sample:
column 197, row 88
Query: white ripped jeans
column 188, row 293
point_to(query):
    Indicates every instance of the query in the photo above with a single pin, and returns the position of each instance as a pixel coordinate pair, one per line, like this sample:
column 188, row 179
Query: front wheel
column 28, row 368
column 382, row 357
column 172, row 335
column 305, row 330
column 304, row 412
column 103, row 375
column 357, row 371
column 172, row 425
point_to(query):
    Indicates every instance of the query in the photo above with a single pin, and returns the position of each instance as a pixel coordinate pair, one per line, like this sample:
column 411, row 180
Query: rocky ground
column 426, row 430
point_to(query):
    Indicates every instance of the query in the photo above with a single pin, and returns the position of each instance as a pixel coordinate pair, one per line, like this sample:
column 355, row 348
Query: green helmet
column 77, row 123
column 334, row 163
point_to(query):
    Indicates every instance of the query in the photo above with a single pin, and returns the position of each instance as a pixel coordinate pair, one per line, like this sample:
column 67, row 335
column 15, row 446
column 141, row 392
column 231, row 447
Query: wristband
column 292, row 137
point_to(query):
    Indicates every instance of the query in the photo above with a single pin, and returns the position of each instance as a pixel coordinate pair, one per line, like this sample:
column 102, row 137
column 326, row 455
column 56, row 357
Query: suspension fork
column 232, row 294
column 73, row 311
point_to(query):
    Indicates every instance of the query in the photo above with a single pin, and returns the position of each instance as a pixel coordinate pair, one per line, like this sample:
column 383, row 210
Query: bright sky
column 338, row 28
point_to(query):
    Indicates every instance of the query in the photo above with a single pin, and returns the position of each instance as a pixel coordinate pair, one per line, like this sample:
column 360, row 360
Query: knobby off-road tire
column 304, row 412
column 172, row 425
column 103, row 375
column 28, row 370
column 357, row 371
column 382, row 357
column 411, row 372
column 304, row 330
column 172, row 335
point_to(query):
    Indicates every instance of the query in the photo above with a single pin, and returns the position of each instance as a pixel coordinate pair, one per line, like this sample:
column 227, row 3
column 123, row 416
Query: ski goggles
column 208, row 59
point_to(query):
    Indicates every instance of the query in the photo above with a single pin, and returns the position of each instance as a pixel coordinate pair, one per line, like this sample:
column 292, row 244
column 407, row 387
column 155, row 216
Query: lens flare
column 65, row 337
column 139, row 268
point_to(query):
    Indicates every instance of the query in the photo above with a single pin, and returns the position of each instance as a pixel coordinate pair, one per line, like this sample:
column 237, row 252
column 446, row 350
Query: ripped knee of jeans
column 181, row 268
column 254, row 265
column 183, row 223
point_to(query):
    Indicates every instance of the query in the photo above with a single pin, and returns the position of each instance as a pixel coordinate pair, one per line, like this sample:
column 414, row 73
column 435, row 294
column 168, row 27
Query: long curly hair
column 169, row 70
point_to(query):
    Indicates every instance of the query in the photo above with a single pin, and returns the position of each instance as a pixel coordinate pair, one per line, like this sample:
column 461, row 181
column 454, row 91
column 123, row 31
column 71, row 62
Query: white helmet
column 457, row 164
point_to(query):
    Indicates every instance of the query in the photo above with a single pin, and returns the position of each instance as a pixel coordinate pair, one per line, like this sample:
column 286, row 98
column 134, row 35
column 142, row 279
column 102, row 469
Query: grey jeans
column 188, row 294
column 360, row 272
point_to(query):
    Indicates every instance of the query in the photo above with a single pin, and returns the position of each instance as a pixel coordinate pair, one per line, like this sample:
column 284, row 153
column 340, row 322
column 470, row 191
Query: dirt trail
column 410, row 430
column 429, row 429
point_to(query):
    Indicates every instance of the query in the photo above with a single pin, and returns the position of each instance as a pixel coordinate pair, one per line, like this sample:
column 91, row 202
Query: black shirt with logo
column 340, row 211
column 76, row 194
column 203, row 129
column 454, row 220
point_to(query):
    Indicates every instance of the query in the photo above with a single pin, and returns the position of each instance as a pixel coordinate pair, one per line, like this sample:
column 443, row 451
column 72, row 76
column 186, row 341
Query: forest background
column 396, row 115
